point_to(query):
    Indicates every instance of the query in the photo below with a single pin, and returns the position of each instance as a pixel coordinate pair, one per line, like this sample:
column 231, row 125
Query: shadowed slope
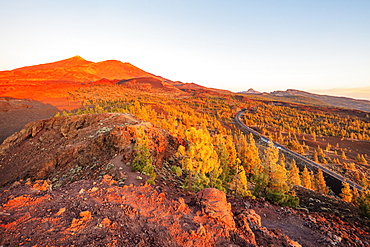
column 150, row 85
column 15, row 113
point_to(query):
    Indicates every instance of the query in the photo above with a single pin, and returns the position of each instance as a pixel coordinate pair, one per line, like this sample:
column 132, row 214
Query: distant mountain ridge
column 250, row 91
column 351, row 92
column 302, row 97
column 342, row 102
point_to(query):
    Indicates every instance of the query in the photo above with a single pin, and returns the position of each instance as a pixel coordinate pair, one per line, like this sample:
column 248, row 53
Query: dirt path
column 125, row 171
column 275, row 217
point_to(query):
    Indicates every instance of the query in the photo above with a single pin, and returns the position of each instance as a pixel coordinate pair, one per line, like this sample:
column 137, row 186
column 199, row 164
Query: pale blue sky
column 235, row 45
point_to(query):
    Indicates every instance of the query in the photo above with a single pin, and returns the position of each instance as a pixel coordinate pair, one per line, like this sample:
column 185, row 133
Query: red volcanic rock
column 100, row 213
column 214, row 204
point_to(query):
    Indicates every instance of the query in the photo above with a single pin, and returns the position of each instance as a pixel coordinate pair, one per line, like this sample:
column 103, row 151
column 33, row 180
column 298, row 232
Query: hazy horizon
column 234, row 45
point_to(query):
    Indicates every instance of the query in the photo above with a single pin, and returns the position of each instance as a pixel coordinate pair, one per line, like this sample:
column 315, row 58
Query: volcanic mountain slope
column 51, row 82
column 75, row 69
column 50, row 85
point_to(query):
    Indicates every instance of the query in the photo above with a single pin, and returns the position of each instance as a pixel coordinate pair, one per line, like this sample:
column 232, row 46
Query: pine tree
column 199, row 157
column 248, row 154
column 320, row 182
column 143, row 161
column 282, row 160
column 239, row 183
column 336, row 161
column 320, row 152
column 277, row 174
column 346, row 192
column 222, row 174
column 306, row 178
column 294, row 177
column 313, row 180
column 364, row 203
column 232, row 158
column 314, row 136
column 300, row 150
column 356, row 195
column 315, row 156
column 361, row 159
column 216, row 176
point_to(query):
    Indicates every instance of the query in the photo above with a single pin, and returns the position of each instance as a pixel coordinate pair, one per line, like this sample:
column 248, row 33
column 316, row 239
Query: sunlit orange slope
column 75, row 69
column 51, row 82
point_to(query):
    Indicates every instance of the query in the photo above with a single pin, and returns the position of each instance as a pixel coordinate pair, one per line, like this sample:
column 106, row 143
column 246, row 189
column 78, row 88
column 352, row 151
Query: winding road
column 310, row 164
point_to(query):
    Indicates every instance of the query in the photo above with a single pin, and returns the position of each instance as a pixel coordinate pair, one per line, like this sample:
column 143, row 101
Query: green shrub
column 177, row 170
column 143, row 161
column 282, row 199
column 364, row 204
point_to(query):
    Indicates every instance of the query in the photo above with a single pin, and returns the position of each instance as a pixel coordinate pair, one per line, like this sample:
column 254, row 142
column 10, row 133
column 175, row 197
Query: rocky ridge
column 67, row 149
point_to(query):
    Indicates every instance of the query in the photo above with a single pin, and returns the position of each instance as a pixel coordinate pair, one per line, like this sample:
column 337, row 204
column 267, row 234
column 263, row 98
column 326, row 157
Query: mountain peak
column 65, row 63
column 73, row 61
column 250, row 91
column 77, row 57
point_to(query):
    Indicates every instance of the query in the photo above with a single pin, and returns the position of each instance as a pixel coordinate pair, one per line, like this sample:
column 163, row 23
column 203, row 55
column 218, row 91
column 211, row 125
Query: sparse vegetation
column 210, row 115
column 143, row 161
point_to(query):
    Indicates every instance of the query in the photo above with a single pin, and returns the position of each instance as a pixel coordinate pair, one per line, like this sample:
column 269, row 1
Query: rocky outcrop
column 245, row 228
column 213, row 203
column 66, row 149
column 100, row 213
